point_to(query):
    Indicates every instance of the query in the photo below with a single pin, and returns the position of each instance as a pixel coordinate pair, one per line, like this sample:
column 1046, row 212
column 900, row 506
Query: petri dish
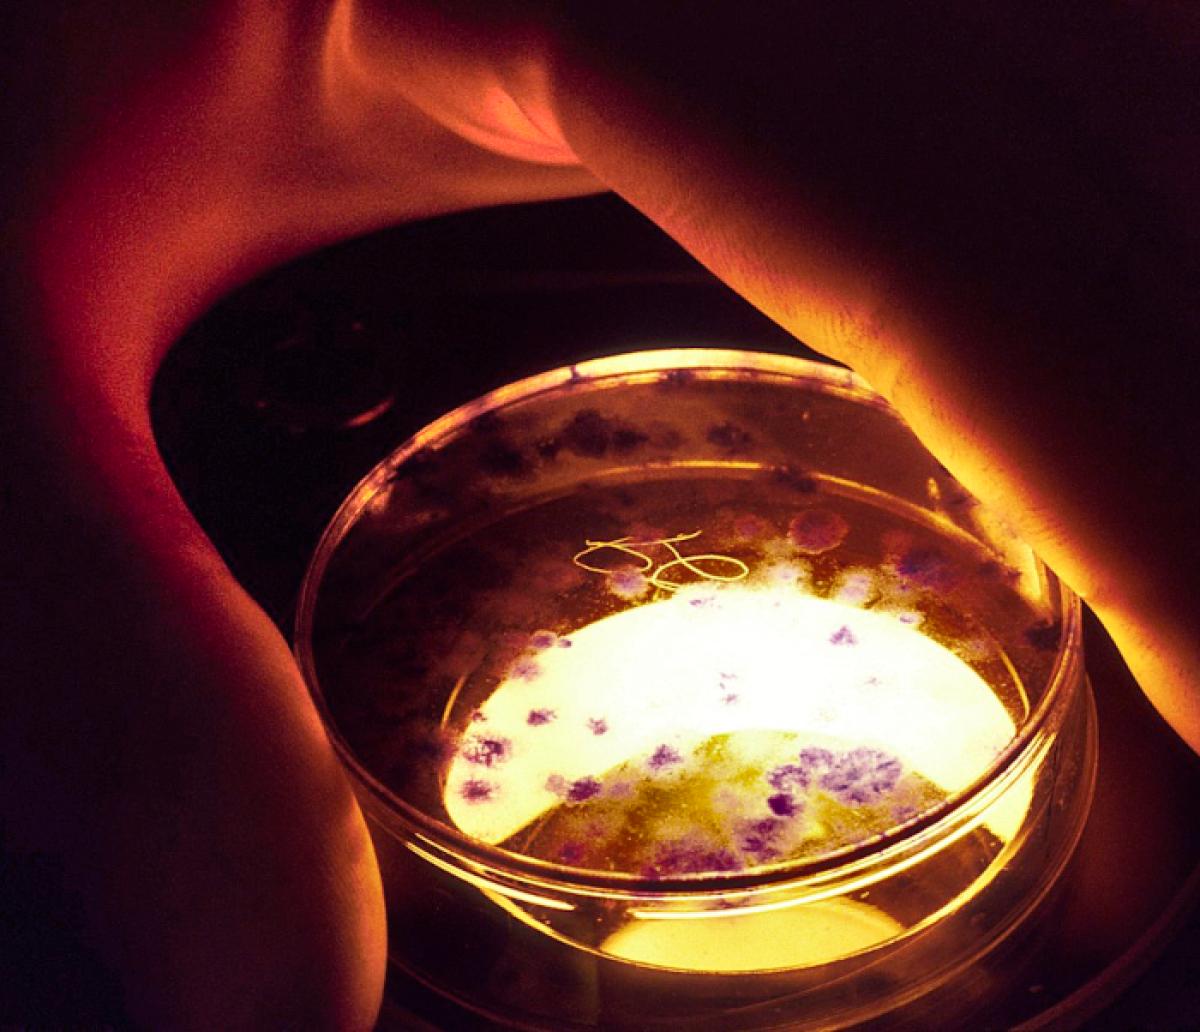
column 685, row 686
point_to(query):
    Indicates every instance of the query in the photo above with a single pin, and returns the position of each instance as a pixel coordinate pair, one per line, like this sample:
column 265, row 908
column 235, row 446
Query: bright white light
column 711, row 660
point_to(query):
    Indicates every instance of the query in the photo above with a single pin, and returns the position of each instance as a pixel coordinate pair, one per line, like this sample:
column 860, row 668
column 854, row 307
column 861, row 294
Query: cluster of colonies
column 712, row 810
column 719, row 808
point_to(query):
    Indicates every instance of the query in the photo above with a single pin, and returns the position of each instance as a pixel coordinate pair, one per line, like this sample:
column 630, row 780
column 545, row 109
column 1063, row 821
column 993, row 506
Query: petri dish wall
column 686, row 687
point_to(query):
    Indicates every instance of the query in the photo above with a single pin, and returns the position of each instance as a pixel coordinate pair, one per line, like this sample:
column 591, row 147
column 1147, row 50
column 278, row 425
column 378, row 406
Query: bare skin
column 980, row 212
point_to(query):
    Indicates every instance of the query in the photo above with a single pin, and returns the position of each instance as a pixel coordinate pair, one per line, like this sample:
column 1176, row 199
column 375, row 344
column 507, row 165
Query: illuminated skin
column 977, row 206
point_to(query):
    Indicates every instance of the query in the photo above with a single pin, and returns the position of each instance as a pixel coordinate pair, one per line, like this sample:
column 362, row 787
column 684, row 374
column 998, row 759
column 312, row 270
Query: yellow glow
column 663, row 673
column 795, row 937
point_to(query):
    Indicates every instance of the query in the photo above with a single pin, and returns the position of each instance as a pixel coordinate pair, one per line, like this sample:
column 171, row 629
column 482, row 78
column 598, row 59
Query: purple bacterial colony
column 690, row 855
column 677, row 807
column 525, row 669
column 750, row 527
column 790, row 776
column 583, row 789
column 843, row 636
column 928, row 567
column 760, row 836
column 487, row 751
column 815, row 757
column 816, row 531
column 783, row 805
column 591, row 434
column 862, row 775
column 628, row 582
column 476, row 791
column 664, row 756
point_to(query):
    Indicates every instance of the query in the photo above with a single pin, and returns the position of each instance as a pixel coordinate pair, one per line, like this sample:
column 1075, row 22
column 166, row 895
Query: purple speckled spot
column 525, row 669
column 583, row 789
column 760, row 837
column 690, row 855
column 565, row 643
column 729, row 698
column 927, row 567
column 478, row 717
column 487, row 751
column 540, row 717
column 597, row 725
column 789, row 776
column 628, row 583
column 816, row 531
column 543, row 639
column 862, row 775
column 588, row 434
column 476, row 791
column 622, row 789
column 843, row 636
column 814, row 758
column 559, row 785
column 783, row 805
column 664, row 756
column 856, row 589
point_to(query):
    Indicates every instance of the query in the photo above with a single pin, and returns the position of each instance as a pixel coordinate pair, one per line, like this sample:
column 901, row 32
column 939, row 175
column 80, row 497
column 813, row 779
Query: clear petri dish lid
column 678, row 615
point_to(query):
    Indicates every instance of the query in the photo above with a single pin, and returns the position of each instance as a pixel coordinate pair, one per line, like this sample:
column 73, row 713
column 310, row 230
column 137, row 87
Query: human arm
column 159, row 750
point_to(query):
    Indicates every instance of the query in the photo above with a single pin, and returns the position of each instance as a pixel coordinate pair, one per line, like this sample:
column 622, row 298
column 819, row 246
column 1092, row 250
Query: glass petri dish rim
column 643, row 367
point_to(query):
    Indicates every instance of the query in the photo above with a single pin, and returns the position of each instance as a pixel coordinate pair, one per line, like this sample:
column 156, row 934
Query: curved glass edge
column 635, row 367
